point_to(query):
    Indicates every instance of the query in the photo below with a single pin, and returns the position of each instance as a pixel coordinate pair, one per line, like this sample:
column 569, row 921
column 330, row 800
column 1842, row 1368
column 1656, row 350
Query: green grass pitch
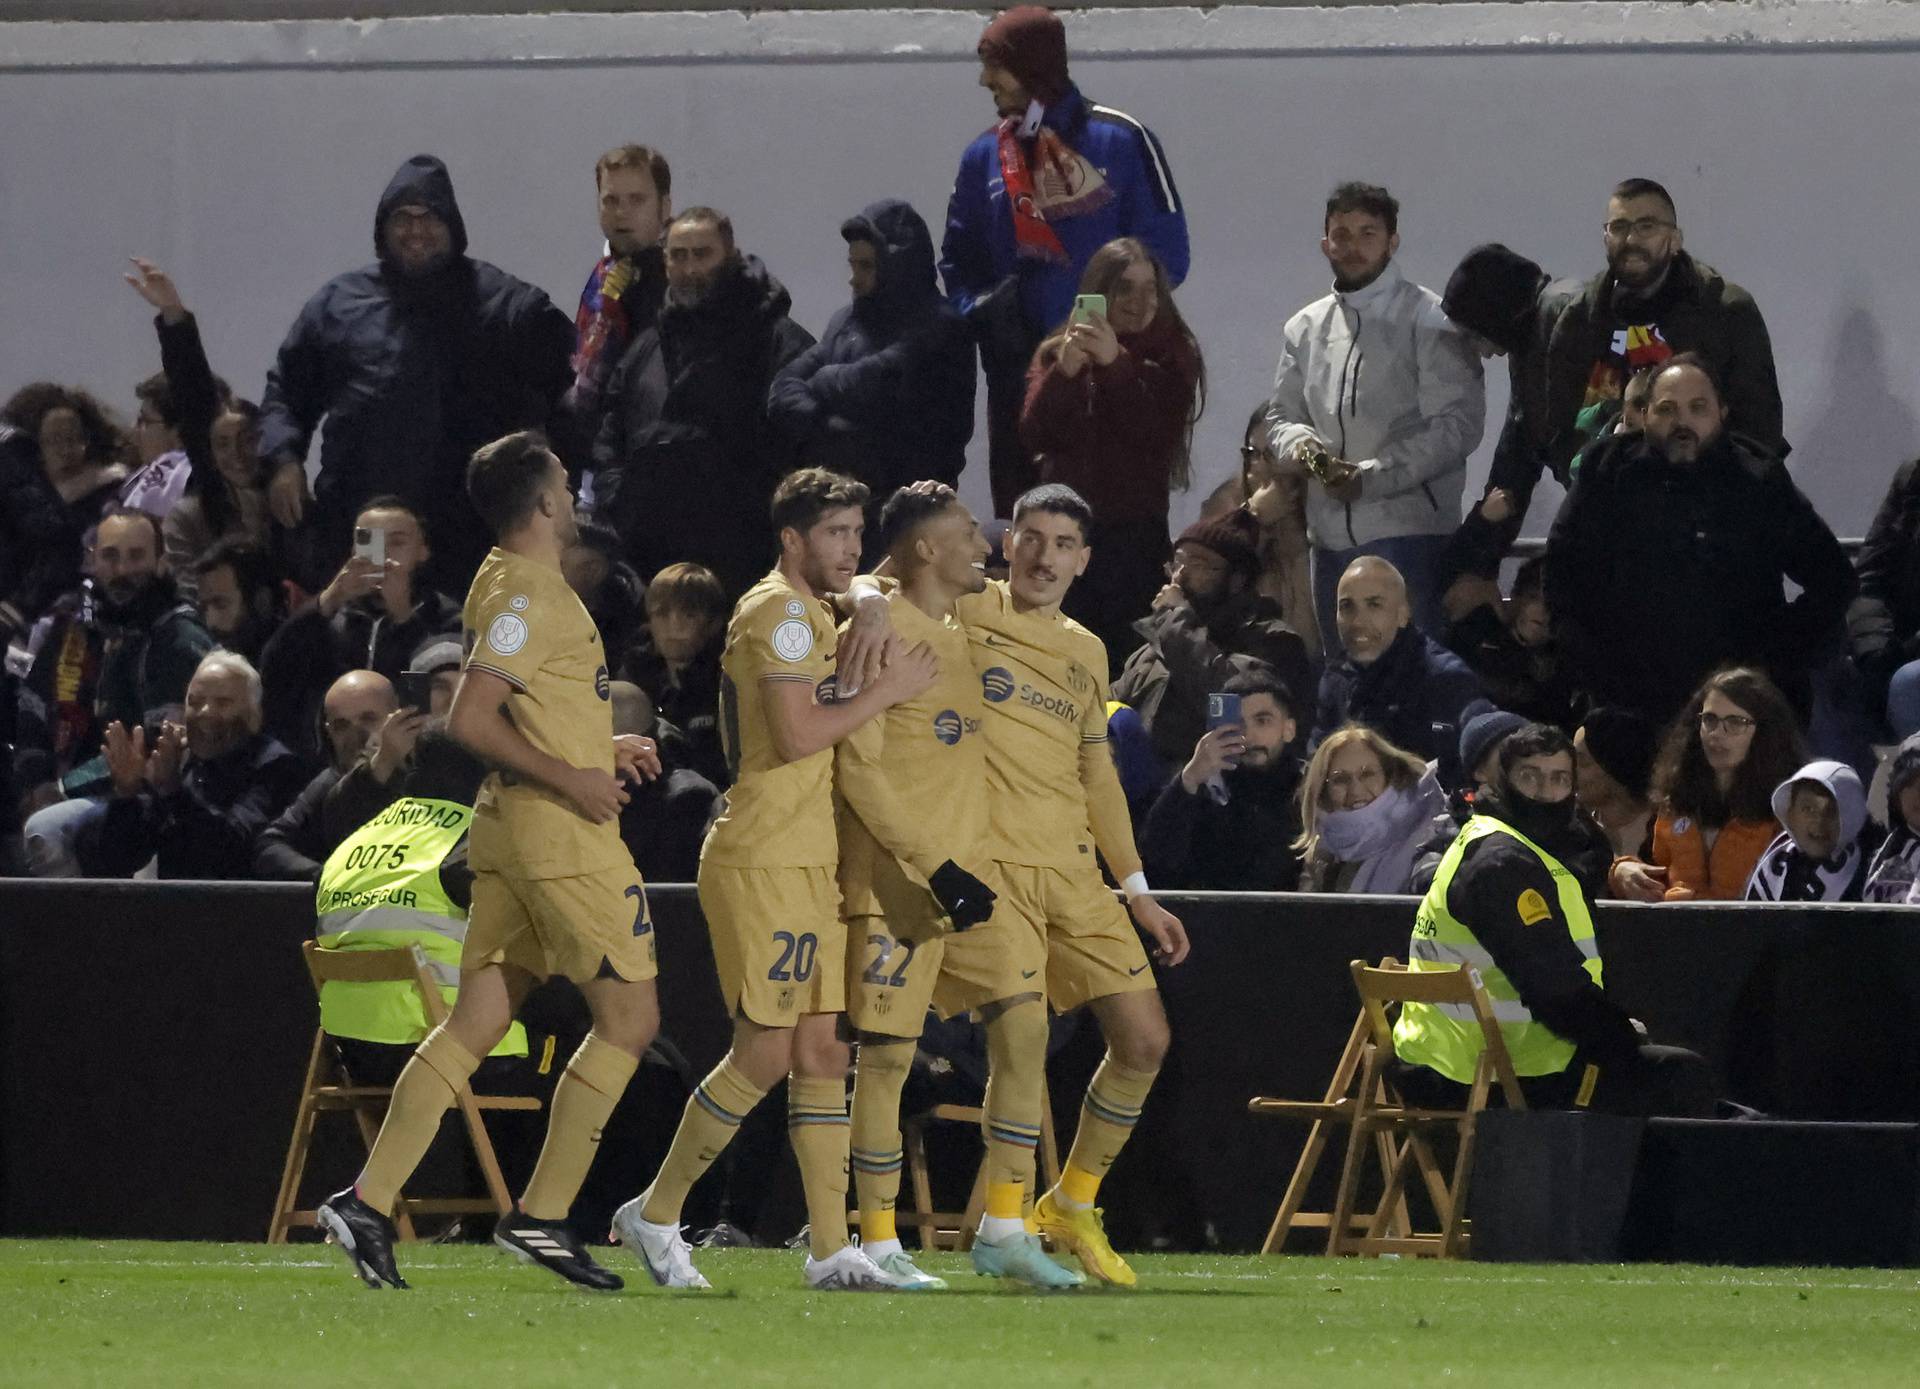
column 81, row 1313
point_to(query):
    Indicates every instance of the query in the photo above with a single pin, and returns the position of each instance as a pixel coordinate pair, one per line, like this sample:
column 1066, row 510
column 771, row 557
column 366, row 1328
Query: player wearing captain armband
column 768, row 890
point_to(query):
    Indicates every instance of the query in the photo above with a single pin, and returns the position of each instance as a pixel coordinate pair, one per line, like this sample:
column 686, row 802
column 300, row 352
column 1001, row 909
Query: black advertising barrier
column 153, row 1035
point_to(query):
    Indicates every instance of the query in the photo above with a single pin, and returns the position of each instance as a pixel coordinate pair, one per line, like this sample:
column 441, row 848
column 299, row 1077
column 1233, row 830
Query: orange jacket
column 1694, row 874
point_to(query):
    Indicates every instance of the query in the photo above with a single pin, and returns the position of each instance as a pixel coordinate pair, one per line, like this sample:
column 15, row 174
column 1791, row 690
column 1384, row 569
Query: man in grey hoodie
column 1382, row 396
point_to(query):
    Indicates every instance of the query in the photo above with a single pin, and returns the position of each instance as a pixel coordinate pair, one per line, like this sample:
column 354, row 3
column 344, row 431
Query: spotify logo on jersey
column 946, row 727
column 996, row 684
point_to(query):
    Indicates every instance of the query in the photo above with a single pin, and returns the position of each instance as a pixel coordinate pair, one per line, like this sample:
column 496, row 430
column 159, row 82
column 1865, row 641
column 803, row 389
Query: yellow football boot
column 1081, row 1233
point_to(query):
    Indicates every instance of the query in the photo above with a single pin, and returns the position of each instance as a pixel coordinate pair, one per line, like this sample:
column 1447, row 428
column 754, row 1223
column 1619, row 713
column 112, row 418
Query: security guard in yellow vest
column 402, row 879
column 1505, row 902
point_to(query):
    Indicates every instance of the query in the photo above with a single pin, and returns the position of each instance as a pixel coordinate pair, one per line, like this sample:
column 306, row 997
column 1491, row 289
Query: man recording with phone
column 374, row 615
column 1227, row 821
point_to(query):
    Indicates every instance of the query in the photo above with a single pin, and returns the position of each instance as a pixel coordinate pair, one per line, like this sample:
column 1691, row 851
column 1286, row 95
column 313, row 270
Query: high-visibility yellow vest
column 1447, row 1037
column 381, row 890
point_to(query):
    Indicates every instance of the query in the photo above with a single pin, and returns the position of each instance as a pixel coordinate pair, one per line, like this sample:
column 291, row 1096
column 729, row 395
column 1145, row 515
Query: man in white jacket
column 1381, row 397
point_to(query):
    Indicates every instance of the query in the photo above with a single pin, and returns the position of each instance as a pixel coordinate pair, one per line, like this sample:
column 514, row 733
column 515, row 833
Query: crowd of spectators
column 222, row 651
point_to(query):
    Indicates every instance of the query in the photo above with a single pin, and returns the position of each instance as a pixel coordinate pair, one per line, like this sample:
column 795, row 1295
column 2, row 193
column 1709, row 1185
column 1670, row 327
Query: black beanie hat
column 1492, row 291
column 1624, row 744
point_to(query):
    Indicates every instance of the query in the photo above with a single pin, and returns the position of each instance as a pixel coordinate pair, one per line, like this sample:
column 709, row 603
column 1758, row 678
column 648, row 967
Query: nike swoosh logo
column 1136, row 971
column 1028, row 973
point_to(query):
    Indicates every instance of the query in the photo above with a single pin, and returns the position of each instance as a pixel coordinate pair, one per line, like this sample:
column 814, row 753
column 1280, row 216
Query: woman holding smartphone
column 1112, row 397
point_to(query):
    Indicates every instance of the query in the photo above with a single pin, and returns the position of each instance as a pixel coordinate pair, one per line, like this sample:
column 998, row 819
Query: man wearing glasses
column 1654, row 300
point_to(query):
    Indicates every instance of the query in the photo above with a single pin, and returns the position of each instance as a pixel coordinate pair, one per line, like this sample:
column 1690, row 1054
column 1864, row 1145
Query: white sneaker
column 849, row 1270
column 661, row 1249
column 899, row 1266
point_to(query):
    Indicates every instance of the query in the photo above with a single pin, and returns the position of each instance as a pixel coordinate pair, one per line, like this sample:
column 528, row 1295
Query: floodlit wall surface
column 247, row 157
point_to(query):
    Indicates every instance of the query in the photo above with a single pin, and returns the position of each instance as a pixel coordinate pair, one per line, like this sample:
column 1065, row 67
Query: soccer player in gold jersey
column 768, row 890
column 1054, row 798
column 555, row 891
column 912, row 839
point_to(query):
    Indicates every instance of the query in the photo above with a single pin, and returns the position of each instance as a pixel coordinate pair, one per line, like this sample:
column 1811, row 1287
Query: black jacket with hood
column 687, row 460
column 887, row 392
column 411, row 375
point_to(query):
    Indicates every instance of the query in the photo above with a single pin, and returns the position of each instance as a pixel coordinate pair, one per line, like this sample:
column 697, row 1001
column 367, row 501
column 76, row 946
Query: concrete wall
column 247, row 158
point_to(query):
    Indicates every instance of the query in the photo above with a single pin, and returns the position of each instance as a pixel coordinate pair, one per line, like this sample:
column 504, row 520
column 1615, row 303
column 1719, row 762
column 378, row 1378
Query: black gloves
column 963, row 897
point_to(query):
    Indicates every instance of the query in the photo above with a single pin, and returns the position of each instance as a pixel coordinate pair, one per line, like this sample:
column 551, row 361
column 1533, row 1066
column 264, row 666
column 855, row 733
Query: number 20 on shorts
column 795, row 964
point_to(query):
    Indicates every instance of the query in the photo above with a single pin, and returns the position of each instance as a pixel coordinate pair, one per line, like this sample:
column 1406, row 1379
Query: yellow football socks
column 595, row 1079
column 426, row 1090
column 817, row 1127
column 879, row 1076
column 1016, row 1090
column 1111, row 1109
column 707, row 1125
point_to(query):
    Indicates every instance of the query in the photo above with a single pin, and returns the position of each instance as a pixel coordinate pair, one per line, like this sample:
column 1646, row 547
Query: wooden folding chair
column 1361, row 1097
column 328, row 1088
column 950, row 1229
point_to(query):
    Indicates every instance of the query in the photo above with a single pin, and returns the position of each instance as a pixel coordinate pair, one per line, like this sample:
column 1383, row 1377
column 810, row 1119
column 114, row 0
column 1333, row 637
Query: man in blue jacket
column 413, row 362
column 1056, row 178
column 886, row 395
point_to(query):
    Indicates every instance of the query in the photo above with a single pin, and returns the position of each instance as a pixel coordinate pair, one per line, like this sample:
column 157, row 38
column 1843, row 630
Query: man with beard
column 1669, row 556
column 125, row 657
column 1381, row 397
column 1207, row 625
column 768, row 889
column 1228, row 821
column 1506, row 903
column 237, row 596
column 1654, row 300
column 886, row 395
column 554, row 890
column 687, row 459
column 412, row 363
column 1391, row 676
column 624, row 291
column 1052, row 181
column 360, row 712
column 196, row 797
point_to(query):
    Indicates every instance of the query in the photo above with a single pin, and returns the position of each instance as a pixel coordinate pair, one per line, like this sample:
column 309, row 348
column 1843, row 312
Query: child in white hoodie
column 1819, row 857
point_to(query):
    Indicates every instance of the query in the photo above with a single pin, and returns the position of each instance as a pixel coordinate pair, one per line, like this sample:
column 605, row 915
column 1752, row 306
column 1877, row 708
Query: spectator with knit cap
column 1111, row 403
column 1507, row 305
column 1480, row 740
column 1208, row 624
column 1613, row 754
column 1894, row 875
column 1055, row 179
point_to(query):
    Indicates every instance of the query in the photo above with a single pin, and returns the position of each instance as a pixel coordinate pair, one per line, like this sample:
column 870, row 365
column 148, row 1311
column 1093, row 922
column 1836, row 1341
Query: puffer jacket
column 412, row 375
column 887, row 393
column 1386, row 381
column 687, row 459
